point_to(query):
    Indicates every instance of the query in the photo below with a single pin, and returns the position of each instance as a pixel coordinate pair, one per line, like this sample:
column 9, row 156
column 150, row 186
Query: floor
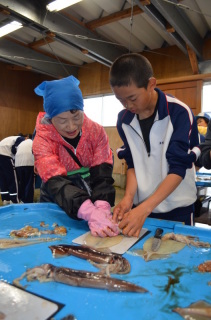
column 204, row 218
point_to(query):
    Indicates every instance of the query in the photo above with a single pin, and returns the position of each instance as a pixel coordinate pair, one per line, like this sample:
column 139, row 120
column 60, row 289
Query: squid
column 110, row 262
column 14, row 243
column 78, row 278
column 188, row 240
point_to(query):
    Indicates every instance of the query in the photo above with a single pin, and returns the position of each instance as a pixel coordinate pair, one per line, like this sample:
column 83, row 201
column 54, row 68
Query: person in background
column 73, row 157
column 202, row 123
column 159, row 133
column 8, row 178
column 205, row 157
column 24, row 165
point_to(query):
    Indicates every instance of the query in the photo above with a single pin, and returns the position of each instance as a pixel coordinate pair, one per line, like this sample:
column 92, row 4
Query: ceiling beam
column 4, row 12
column 169, row 28
column 25, row 56
column 163, row 24
column 44, row 53
column 84, row 38
column 65, row 29
column 94, row 24
column 19, row 68
column 42, row 42
column 178, row 21
column 193, row 60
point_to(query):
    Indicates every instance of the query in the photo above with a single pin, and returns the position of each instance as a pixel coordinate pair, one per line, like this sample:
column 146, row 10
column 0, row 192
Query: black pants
column 8, row 179
column 25, row 177
column 184, row 214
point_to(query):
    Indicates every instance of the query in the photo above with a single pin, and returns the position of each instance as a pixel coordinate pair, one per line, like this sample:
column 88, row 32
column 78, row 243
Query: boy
column 202, row 120
column 158, row 132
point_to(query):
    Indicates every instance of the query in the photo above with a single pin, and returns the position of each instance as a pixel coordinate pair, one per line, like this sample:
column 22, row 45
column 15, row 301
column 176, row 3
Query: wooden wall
column 189, row 92
column 19, row 105
column 115, row 142
column 167, row 63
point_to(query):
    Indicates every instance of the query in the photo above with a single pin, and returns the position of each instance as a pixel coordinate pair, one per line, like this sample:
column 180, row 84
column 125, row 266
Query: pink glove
column 99, row 223
column 105, row 206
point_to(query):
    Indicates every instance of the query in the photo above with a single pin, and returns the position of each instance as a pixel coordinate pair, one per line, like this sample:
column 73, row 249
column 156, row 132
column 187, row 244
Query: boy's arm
column 131, row 184
column 126, row 203
column 133, row 220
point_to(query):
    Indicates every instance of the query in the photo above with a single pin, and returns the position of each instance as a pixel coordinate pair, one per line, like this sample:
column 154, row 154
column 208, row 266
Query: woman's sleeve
column 101, row 182
column 64, row 192
column 124, row 151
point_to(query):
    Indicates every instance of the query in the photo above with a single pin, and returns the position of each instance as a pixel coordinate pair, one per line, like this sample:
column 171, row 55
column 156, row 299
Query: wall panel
column 189, row 92
column 115, row 142
column 19, row 105
column 94, row 79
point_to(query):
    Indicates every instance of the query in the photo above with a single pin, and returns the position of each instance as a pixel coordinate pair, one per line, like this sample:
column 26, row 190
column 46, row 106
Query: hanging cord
column 57, row 58
column 131, row 26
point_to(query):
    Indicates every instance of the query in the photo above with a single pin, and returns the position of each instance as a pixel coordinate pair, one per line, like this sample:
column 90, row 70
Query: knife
column 156, row 241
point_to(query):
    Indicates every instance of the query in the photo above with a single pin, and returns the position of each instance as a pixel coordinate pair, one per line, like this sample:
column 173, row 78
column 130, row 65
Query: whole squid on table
column 77, row 278
column 6, row 243
column 188, row 240
column 110, row 262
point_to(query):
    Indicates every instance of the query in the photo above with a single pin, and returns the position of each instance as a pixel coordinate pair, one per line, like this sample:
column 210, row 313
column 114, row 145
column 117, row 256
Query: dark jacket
column 205, row 147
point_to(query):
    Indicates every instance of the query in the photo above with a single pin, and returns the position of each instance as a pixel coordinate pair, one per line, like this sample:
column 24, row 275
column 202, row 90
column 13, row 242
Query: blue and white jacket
column 173, row 144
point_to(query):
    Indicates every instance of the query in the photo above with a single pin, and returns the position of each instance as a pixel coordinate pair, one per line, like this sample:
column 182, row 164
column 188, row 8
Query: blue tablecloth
column 173, row 282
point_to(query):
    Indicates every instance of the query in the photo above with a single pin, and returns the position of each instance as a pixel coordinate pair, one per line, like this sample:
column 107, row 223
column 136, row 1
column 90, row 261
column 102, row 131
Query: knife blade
column 156, row 241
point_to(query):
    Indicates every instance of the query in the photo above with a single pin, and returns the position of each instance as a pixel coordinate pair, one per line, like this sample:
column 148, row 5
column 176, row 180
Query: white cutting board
column 19, row 304
column 121, row 247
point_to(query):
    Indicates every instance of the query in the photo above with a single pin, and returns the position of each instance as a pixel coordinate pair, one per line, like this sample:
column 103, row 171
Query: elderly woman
column 73, row 157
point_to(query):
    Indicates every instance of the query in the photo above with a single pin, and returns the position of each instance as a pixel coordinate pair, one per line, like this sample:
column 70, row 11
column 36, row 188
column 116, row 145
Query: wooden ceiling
column 58, row 44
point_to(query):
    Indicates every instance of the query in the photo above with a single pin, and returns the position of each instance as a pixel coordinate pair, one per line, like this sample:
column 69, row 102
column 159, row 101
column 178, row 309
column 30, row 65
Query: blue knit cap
column 203, row 115
column 60, row 95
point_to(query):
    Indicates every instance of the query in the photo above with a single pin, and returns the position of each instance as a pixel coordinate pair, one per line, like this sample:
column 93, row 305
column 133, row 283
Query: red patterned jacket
column 53, row 161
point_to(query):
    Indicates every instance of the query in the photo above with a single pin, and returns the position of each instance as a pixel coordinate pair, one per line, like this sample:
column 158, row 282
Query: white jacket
column 6, row 146
column 24, row 156
column 173, row 137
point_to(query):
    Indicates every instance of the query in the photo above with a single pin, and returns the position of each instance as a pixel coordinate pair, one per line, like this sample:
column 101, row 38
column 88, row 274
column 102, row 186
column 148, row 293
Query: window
column 206, row 98
column 103, row 110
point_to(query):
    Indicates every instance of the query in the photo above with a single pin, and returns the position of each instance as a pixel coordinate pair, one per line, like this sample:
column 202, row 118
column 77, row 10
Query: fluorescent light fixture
column 10, row 27
column 60, row 4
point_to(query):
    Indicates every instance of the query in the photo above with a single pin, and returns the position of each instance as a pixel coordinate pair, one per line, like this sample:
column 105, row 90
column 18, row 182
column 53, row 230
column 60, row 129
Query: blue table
column 187, row 285
column 203, row 179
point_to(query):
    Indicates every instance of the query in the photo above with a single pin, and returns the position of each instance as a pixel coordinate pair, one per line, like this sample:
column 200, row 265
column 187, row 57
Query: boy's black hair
column 130, row 68
column 205, row 119
column 29, row 135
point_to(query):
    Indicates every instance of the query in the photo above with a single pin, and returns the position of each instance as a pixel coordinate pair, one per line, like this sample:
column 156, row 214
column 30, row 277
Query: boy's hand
column 121, row 208
column 132, row 222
